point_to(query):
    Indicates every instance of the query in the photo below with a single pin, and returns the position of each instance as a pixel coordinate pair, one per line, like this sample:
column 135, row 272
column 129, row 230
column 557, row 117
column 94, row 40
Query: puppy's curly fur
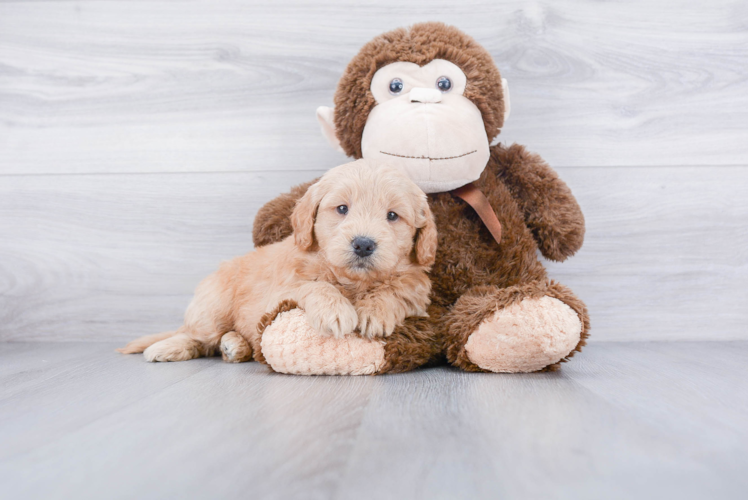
column 319, row 269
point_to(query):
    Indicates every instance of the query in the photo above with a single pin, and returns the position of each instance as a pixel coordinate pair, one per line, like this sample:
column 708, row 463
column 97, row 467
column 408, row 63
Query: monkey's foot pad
column 525, row 337
column 291, row 346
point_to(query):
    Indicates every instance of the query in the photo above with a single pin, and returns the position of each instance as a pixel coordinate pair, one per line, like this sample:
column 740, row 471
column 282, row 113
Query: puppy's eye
column 342, row 209
column 392, row 216
column 396, row 86
column 444, row 84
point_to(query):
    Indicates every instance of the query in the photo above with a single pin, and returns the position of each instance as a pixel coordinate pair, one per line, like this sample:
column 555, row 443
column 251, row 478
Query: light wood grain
column 123, row 86
column 138, row 140
column 110, row 257
column 625, row 420
column 665, row 254
column 622, row 421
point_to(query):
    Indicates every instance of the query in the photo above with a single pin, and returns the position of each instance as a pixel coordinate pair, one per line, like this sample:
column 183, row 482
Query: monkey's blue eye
column 396, row 86
column 444, row 84
column 342, row 209
column 392, row 216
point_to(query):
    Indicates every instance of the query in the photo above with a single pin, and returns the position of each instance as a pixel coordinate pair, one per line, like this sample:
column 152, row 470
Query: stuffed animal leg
column 523, row 328
column 287, row 344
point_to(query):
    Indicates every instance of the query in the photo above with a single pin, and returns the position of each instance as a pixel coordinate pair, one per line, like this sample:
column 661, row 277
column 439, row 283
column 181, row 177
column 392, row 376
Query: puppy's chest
column 354, row 291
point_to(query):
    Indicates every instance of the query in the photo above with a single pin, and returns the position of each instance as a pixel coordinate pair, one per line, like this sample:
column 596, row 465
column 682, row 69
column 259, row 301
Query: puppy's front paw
column 376, row 321
column 336, row 318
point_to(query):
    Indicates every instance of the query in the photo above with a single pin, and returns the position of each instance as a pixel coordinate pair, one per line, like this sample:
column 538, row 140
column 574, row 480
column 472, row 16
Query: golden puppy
column 363, row 240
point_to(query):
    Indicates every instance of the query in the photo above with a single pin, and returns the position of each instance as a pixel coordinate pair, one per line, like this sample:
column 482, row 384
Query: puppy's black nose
column 363, row 246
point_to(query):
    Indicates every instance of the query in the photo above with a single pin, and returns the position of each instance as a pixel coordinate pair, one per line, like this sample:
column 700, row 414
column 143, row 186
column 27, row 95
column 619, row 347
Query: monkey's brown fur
column 473, row 277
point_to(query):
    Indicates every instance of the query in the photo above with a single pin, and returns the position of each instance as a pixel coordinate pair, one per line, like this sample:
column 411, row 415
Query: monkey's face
column 423, row 125
column 427, row 100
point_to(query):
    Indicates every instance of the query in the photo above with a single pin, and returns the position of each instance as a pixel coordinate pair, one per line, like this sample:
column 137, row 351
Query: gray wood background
column 138, row 139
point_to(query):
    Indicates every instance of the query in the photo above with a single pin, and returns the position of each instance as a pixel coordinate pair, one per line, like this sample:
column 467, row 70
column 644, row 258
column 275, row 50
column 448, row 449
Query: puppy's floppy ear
column 426, row 241
column 303, row 216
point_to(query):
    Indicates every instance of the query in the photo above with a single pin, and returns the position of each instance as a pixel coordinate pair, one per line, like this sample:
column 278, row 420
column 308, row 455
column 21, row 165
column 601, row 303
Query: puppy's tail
column 140, row 345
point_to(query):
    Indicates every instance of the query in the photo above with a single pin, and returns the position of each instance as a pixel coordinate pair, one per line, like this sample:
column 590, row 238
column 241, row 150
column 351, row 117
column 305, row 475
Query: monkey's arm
column 273, row 221
column 550, row 210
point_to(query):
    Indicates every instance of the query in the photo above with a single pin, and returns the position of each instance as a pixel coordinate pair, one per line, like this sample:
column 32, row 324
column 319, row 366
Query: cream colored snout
column 439, row 147
column 424, row 95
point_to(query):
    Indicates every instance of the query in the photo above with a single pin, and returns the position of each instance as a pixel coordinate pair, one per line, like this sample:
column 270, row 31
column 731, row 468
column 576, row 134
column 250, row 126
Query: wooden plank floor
column 623, row 420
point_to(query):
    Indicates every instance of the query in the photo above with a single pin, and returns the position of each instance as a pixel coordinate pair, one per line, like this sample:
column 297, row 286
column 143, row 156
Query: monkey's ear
column 326, row 119
column 507, row 104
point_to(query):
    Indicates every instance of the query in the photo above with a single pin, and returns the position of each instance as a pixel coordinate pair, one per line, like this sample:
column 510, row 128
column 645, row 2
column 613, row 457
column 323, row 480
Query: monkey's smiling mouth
column 428, row 157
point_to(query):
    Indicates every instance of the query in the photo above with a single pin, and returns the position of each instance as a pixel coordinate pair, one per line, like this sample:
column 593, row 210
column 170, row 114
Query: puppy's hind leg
column 167, row 346
column 235, row 348
column 180, row 347
column 199, row 336
column 207, row 318
column 142, row 343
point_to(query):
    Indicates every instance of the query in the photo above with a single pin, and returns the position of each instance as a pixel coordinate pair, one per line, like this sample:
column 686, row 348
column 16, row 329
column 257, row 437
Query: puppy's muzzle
column 363, row 247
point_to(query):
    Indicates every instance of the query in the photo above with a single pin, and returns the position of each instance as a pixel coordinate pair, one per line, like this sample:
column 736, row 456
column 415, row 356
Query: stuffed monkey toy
column 429, row 100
